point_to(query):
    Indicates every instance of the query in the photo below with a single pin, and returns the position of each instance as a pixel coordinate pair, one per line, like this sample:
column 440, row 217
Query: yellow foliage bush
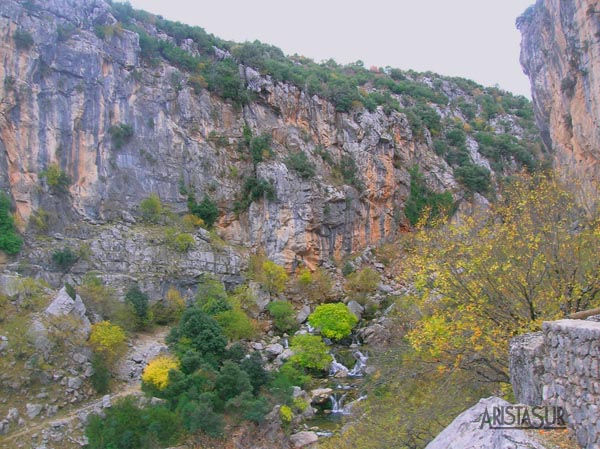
column 157, row 371
column 107, row 339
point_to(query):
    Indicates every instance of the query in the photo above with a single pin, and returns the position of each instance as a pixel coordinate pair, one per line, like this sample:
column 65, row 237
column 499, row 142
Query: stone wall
column 563, row 364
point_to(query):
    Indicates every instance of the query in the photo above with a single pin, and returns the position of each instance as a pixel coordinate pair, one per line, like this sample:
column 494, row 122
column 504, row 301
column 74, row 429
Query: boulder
column 320, row 396
column 303, row 439
column 466, row 432
column 274, row 349
column 356, row 309
column 303, row 314
column 33, row 410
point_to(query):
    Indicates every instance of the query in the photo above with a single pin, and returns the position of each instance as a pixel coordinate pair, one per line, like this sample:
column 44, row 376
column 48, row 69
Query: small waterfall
column 336, row 367
column 359, row 367
column 285, row 343
column 337, row 403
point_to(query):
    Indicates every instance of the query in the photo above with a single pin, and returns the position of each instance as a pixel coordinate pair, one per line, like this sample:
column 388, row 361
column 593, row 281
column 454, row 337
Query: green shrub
column 236, row 324
column 474, row 178
column 285, row 414
column 254, row 189
column 260, row 148
column 310, row 352
column 334, row 321
column 127, row 426
column 211, row 297
column 121, row 134
column 183, row 242
column 423, row 200
column 199, row 332
column 223, row 78
column 253, row 366
column 64, row 258
column 10, row 241
column 232, row 381
column 200, row 415
column 57, row 179
column 349, row 172
column 284, row 316
column 139, row 303
column 274, row 277
column 23, row 39
column 456, row 137
column 151, row 208
column 206, row 209
column 101, row 377
column 300, row 163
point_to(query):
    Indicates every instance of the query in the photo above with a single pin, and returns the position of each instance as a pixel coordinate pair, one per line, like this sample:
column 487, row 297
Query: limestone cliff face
column 65, row 90
column 560, row 52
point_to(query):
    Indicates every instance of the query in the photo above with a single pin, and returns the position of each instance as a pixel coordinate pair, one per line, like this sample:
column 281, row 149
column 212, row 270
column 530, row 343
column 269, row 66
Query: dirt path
column 143, row 347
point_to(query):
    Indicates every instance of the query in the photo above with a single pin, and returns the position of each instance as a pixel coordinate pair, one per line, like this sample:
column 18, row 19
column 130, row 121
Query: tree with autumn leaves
column 473, row 284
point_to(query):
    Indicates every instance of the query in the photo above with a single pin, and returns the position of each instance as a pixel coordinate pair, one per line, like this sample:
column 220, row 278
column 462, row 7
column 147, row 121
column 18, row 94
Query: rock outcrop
column 560, row 53
column 466, row 431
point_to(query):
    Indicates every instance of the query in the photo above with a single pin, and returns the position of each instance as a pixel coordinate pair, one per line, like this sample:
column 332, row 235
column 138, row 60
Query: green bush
column 273, row 277
column 284, row 316
column 183, row 242
column 206, row 209
column 300, row 163
column 456, row 137
column 64, row 258
column 121, row 134
column 334, row 321
column 232, row 381
column 253, row 366
column 199, row 332
column 10, row 241
column 23, row 39
column 474, row 178
column 211, row 297
column 236, row 324
column 151, row 208
column 101, row 377
column 200, row 415
column 57, row 179
column 254, row 189
column 127, row 426
column 423, row 200
column 260, row 148
column 349, row 172
column 223, row 78
column 139, row 303
column 310, row 352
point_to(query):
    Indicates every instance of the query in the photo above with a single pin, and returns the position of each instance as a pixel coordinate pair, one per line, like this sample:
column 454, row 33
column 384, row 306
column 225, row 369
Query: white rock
column 302, row 439
column 33, row 410
column 274, row 349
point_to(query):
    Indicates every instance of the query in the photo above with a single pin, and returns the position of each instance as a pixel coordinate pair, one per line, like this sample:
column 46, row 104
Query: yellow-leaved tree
column 472, row 285
column 534, row 256
column 157, row 371
column 107, row 340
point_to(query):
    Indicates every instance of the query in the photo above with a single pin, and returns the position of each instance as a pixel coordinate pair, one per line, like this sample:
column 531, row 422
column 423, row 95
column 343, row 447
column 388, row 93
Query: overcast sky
column 475, row 39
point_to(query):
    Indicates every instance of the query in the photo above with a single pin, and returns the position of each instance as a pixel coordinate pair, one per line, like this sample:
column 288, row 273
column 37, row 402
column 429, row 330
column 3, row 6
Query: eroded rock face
column 560, row 53
column 64, row 97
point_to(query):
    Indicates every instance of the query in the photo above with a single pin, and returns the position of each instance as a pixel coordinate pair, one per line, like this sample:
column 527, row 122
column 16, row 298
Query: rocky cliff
column 106, row 100
column 560, row 52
